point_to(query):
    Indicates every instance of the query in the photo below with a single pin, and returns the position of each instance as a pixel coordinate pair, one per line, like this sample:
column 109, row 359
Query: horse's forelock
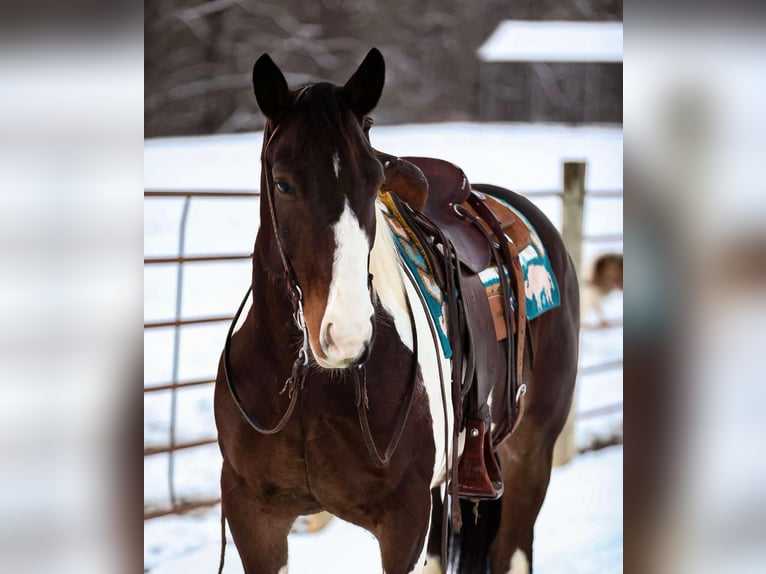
column 326, row 122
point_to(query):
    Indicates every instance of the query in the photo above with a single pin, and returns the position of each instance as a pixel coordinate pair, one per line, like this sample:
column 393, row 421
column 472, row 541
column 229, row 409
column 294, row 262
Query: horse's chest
column 340, row 468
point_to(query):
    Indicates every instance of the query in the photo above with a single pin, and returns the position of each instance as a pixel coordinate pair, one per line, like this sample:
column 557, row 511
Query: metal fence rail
column 177, row 323
column 173, row 445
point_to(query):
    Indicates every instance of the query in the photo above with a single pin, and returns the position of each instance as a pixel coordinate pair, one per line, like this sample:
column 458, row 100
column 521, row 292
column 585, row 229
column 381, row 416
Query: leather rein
column 294, row 384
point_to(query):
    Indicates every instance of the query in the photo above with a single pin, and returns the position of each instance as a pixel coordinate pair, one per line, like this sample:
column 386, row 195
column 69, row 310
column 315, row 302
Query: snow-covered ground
column 579, row 531
column 521, row 157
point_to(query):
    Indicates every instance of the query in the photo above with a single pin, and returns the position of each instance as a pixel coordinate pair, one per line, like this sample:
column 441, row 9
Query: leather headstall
column 294, row 383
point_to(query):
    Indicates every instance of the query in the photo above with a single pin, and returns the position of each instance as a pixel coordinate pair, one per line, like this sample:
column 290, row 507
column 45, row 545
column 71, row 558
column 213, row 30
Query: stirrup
column 478, row 474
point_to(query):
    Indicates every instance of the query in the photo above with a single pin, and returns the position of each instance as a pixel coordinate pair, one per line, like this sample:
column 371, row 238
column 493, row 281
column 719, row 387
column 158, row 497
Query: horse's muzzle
column 350, row 350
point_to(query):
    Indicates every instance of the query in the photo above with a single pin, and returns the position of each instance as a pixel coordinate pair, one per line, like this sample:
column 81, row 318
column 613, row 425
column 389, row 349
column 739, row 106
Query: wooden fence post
column 573, row 200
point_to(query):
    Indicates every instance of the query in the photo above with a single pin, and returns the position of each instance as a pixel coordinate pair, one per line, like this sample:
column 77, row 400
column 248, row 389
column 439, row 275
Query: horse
column 334, row 359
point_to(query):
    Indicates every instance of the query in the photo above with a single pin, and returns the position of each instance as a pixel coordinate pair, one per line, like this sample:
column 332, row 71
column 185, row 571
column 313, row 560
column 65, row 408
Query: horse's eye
column 285, row 188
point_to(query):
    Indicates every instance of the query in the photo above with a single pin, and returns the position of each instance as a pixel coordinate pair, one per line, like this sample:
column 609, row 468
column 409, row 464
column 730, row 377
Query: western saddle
column 464, row 232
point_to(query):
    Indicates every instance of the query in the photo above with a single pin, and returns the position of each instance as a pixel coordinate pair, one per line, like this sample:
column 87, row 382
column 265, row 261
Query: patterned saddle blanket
column 541, row 287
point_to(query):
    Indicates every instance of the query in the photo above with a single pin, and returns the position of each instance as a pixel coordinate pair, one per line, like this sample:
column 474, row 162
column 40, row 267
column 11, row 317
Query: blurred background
column 72, row 223
column 199, row 57
column 516, row 93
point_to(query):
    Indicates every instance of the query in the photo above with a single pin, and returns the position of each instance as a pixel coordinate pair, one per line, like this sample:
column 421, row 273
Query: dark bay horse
column 329, row 294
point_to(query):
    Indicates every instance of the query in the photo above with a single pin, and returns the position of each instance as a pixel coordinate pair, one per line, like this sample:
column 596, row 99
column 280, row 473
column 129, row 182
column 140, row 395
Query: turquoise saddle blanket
column 541, row 287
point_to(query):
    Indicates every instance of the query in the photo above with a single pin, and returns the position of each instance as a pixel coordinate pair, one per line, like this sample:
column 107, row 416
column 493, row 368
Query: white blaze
column 336, row 164
column 347, row 322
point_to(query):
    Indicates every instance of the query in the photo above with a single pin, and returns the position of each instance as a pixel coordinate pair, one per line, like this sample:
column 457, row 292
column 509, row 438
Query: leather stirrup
column 478, row 474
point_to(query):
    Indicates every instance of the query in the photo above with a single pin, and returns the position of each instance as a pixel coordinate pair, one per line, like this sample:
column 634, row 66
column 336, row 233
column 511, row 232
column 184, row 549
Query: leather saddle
column 479, row 228
column 435, row 186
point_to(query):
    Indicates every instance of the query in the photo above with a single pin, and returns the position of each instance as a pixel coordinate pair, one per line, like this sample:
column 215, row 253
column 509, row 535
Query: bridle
column 295, row 381
column 294, row 384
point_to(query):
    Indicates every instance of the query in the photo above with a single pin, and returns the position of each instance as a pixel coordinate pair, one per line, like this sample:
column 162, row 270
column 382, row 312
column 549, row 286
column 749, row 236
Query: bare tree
column 199, row 54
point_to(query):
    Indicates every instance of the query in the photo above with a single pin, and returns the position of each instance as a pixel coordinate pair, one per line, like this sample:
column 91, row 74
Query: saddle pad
column 412, row 255
column 541, row 287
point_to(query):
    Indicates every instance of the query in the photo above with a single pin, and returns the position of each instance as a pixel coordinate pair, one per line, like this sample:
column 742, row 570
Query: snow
column 553, row 41
column 521, row 157
column 579, row 530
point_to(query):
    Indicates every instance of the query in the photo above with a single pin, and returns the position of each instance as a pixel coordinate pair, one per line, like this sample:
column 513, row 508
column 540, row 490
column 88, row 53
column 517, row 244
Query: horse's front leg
column 259, row 528
column 403, row 530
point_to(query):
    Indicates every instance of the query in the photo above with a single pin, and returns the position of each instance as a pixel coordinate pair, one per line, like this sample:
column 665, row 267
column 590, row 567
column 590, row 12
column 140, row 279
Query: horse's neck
column 272, row 312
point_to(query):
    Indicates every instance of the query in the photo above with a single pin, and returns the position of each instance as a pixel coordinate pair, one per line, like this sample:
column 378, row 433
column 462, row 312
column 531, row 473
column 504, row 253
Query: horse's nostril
column 328, row 339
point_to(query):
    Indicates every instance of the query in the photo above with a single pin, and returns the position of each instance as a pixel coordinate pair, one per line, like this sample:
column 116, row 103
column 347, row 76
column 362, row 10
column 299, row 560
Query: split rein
column 294, row 384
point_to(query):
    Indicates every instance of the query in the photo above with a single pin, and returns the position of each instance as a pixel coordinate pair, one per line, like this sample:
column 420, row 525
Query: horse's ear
column 270, row 87
column 363, row 89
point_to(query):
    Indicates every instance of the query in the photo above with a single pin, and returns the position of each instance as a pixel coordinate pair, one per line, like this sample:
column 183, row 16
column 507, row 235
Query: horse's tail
column 469, row 549
column 223, row 541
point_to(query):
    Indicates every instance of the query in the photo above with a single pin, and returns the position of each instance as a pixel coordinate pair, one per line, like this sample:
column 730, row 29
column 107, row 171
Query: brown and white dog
column 605, row 277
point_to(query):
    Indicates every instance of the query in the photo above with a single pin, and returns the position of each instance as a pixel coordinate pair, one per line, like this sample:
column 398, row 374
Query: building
column 552, row 71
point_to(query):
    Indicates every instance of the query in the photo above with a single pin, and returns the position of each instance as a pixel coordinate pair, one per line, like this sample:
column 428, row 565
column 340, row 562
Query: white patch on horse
column 387, row 278
column 283, row 570
column 422, row 563
column 393, row 284
column 336, row 164
column 433, row 565
column 347, row 322
column 430, row 354
column 519, row 563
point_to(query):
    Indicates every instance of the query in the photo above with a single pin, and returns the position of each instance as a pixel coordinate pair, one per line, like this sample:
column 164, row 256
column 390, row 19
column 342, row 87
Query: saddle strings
column 462, row 379
column 509, row 252
column 445, row 505
column 503, row 429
